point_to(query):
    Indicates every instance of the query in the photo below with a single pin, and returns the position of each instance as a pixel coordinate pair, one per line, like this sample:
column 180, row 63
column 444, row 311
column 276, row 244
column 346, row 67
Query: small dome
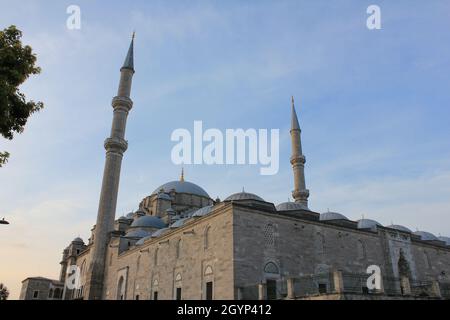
column 243, row 196
column 178, row 223
column 426, row 236
column 328, row 216
column 140, row 242
column 399, row 228
column 446, row 240
column 182, row 187
column 159, row 232
column 123, row 218
column 138, row 233
column 130, row 215
column 164, row 196
column 291, row 206
column 368, row 224
column 78, row 240
column 148, row 222
column 202, row 212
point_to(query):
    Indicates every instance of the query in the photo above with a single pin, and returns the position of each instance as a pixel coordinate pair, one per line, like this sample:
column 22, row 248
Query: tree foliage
column 4, row 292
column 17, row 63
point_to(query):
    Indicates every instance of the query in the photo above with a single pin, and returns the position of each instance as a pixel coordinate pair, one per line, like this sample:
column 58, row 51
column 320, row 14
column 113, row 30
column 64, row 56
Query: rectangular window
column 209, row 291
column 137, row 297
column 178, row 297
column 322, row 288
column 35, row 294
column 271, row 289
column 155, row 295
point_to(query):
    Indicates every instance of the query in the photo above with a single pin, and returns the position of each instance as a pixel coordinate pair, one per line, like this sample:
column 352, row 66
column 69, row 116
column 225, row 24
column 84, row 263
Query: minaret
column 115, row 146
column 298, row 160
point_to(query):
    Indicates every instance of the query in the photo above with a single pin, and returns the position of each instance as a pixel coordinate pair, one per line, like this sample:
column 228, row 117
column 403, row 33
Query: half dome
column 202, row 212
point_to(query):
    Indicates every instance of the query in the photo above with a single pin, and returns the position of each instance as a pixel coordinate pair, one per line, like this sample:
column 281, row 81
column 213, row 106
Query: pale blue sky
column 373, row 106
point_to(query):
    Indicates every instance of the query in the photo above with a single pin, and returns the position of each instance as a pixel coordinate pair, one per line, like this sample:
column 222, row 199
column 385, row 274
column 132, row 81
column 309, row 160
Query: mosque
column 182, row 244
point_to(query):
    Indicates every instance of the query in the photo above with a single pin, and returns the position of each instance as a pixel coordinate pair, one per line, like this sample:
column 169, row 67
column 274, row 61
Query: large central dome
column 182, row 187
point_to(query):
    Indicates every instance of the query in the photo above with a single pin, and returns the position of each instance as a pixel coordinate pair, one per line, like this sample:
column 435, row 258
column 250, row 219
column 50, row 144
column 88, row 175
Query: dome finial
column 182, row 175
column 243, row 190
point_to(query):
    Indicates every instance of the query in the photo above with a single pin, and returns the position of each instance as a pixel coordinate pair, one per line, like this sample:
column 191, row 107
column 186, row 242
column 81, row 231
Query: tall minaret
column 115, row 146
column 298, row 160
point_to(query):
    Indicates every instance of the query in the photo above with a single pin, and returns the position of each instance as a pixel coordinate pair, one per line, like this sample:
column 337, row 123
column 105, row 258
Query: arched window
column 121, row 289
column 50, row 294
column 206, row 238
column 178, row 251
column 271, row 268
column 269, row 235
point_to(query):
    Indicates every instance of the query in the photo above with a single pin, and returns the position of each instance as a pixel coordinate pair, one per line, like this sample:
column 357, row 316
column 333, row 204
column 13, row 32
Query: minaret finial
column 182, row 175
column 129, row 60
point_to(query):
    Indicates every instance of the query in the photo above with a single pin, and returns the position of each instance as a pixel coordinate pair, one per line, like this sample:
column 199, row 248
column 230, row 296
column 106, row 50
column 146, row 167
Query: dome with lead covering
column 328, row 216
column 291, row 206
column 164, row 196
column 138, row 233
column 243, row 196
column 399, row 228
column 78, row 239
column 148, row 222
column 368, row 224
column 178, row 223
column 202, row 212
column 182, row 187
column 426, row 236
column 446, row 240
column 140, row 242
column 159, row 232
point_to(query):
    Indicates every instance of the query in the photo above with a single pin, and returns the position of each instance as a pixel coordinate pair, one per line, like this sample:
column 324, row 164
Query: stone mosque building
column 182, row 244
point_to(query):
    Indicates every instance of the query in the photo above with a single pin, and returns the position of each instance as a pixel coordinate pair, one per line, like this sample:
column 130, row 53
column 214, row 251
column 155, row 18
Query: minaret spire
column 115, row 147
column 298, row 160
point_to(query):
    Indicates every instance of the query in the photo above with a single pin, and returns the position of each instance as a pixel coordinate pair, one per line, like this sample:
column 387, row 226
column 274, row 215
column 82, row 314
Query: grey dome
column 399, row 227
column 138, row 233
column 123, row 218
column 140, row 242
column 148, row 222
column 328, row 216
column 159, row 232
column 426, row 236
column 368, row 224
column 446, row 240
column 78, row 239
column 243, row 196
column 202, row 212
column 182, row 187
column 130, row 215
column 290, row 206
column 164, row 196
column 178, row 223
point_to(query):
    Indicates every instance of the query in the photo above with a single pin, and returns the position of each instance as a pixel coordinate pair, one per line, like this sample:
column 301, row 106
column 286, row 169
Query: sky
column 373, row 105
